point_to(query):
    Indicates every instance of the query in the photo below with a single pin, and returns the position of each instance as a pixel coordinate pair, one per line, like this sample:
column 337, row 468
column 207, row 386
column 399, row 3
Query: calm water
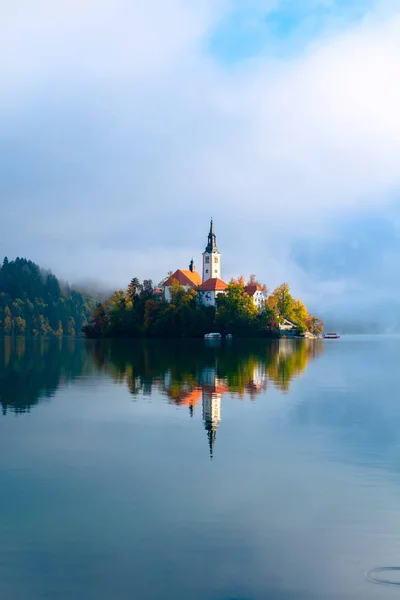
column 181, row 471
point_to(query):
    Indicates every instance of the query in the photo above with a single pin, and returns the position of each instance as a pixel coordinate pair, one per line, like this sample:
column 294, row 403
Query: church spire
column 212, row 239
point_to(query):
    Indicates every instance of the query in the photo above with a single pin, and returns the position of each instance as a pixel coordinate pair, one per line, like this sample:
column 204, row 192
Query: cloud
column 123, row 131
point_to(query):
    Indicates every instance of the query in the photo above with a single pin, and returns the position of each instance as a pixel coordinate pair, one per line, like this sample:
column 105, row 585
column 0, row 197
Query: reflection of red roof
column 220, row 388
column 213, row 285
column 185, row 397
column 190, row 399
column 252, row 289
column 184, row 277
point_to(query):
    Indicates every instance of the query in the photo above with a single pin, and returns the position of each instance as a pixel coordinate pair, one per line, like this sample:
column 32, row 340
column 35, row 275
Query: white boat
column 212, row 336
column 331, row 336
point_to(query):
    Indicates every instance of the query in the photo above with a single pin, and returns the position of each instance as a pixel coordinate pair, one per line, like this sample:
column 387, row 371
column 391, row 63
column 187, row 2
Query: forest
column 141, row 311
column 33, row 302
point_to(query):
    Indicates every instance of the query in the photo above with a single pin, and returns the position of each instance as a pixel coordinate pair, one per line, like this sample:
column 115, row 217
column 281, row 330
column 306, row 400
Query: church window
column 216, row 270
column 215, row 259
column 207, row 259
column 206, row 270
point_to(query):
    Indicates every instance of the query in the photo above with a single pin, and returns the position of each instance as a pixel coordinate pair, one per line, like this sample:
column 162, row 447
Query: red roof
column 252, row 289
column 184, row 277
column 213, row 285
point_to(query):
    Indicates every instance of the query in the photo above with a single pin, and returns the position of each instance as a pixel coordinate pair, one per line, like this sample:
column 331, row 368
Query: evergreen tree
column 32, row 302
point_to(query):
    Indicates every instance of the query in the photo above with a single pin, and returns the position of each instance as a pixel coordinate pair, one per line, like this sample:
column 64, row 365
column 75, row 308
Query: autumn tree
column 281, row 300
column 8, row 321
column 20, row 325
column 315, row 325
column 299, row 313
column 240, row 281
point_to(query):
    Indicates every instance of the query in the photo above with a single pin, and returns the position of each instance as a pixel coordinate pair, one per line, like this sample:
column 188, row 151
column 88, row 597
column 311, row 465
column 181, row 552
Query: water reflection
column 185, row 373
column 32, row 369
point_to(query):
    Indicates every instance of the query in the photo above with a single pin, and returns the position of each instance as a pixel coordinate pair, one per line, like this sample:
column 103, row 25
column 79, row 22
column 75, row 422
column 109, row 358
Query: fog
column 124, row 126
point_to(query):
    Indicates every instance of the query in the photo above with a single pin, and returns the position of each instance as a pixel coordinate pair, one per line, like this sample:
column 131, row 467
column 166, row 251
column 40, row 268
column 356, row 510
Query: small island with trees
column 187, row 305
column 33, row 302
column 142, row 311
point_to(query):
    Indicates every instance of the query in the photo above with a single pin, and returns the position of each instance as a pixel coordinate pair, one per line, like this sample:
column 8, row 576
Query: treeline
column 141, row 311
column 33, row 302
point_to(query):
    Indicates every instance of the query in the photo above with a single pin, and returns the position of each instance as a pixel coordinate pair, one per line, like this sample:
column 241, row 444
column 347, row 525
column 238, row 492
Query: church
column 210, row 285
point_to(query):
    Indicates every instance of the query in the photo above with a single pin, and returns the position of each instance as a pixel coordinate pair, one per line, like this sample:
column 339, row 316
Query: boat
column 212, row 336
column 331, row 336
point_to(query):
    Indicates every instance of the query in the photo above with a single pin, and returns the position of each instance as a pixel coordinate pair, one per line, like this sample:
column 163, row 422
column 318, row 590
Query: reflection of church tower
column 211, row 257
column 211, row 414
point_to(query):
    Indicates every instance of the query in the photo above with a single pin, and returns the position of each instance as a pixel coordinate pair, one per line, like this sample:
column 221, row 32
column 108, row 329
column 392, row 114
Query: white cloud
column 119, row 125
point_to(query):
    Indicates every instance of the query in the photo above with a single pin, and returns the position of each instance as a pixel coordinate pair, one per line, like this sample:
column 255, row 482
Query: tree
column 8, row 322
column 59, row 331
column 299, row 313
column 181, row 296
column 253, row 280
column 71, row 327
column 238, row 280
column 236, row 311
column 282, row 300
column 148, row 289
column 20, row 325
column 44, row 325
column 133, row 289
column 315, row 325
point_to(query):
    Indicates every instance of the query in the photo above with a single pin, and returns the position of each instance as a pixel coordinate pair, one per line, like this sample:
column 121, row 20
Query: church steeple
column 211, row 257
column 212, row 239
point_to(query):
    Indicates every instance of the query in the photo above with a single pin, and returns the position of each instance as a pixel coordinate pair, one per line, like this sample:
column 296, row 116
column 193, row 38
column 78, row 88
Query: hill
column 34, row 302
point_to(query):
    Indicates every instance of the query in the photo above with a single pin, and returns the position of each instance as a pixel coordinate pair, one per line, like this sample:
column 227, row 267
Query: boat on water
column 331, row 336
column 212, row 336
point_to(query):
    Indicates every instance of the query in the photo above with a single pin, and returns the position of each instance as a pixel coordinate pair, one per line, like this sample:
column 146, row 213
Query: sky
column 125, row 125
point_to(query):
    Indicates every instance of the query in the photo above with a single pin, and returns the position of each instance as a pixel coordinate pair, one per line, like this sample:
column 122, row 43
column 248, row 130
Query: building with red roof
column 257, row 294
column 210, row 289
column 187, row 278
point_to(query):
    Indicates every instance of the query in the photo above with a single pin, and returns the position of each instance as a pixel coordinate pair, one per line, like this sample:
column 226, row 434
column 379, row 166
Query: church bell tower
column 211, row 257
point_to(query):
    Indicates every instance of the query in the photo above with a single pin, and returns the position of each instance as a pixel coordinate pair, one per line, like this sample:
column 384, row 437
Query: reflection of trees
column 188, row 373
column 290, row 360
column 180, row 370
column 32, row 369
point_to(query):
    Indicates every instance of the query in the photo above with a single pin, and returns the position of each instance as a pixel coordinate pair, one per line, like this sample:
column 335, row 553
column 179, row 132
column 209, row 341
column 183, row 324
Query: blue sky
column 280, row 28
column 125, row 125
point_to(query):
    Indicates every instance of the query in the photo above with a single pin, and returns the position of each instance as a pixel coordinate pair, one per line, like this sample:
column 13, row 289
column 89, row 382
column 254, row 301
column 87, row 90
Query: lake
column 192, row 471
